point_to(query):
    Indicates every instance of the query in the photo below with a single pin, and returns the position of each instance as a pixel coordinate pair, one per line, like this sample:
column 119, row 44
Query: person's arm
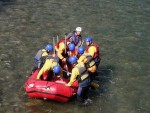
column 91, row 51
column 46, row 67
column 80, row 41
column 81, row 58
column 74, row 74
column 60, row 50
column 92, row 69
column 40, row 73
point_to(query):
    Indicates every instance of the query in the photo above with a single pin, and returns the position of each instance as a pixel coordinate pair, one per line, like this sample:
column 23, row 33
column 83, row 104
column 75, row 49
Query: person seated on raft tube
column 89, row 64
column 75, row 36
column 80, row 73
column 50, row 67
column 93, row 50
column 62, row 48
column 38, row 59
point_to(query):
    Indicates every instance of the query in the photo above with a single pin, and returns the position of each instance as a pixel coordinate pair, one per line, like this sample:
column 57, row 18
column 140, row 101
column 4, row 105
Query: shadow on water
column 1, row 93
column 6, row 3
column 104, row 78
column 35, row 108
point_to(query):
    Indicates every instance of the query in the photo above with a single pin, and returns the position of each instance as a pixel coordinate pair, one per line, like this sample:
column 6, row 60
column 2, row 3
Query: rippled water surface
column 120, row 27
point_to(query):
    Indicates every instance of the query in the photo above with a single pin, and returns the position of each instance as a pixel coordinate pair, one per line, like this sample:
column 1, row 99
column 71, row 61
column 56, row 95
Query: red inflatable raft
column 54, row 89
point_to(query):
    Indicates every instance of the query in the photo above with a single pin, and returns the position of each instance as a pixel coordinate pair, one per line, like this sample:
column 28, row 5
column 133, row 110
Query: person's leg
column 82, row 94
column 35, row 67
column 92, row 77
column 79, row 94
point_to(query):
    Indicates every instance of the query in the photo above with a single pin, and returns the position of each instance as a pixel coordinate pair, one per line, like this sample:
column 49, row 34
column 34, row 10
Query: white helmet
column 79, row 29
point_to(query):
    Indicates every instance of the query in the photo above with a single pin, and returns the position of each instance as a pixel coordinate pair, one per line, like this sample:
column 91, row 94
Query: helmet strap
column 90, row 43
column 74, row 64
column 47, row 51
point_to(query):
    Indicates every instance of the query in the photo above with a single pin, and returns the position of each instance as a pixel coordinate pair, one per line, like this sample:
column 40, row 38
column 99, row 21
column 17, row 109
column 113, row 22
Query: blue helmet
column 56, row 69
column 71, row 46
column 49, row 47
column 88, row 39
column 81, row 50
column 73, row 59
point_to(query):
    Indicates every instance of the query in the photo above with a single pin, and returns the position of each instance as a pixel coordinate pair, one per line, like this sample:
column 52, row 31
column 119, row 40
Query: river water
column 120, row 27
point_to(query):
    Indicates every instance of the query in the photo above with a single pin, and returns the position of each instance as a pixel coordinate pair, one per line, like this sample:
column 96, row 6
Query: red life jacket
column 63, row 40
column 64, row 54
column 96, row 54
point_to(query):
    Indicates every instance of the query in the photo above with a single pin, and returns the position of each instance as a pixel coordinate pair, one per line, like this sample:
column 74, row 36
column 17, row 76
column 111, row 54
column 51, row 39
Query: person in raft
column 49, row 69
column 93, row 50
column 63, row 48
column 75, row 37
column 38, row 59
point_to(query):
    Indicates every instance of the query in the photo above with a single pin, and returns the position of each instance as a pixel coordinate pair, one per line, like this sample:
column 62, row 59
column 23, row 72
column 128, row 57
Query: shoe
column 89, row 100
column 85, row 103
column 94, row 85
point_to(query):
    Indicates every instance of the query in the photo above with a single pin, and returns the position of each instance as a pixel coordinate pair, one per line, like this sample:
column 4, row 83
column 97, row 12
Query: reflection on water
column 120, row 27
